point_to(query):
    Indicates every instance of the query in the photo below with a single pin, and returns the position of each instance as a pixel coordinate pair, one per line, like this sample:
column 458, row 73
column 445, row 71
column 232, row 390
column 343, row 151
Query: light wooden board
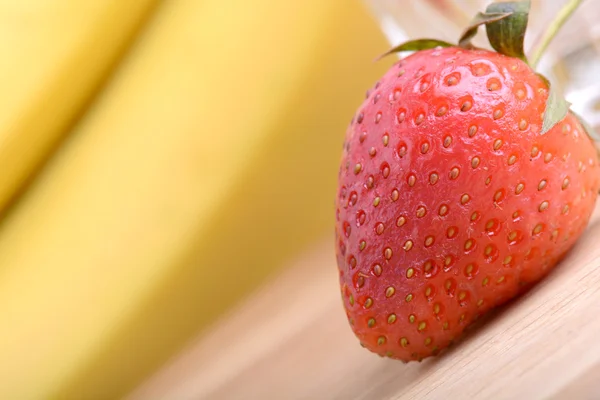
column 291, row 341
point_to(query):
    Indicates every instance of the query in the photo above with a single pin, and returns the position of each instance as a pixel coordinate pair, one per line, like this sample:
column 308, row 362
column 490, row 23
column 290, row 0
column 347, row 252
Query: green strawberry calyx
column 506, row 25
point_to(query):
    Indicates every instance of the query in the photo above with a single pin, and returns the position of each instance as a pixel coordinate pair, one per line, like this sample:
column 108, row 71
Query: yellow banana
column 55, row 54
column 209, row 158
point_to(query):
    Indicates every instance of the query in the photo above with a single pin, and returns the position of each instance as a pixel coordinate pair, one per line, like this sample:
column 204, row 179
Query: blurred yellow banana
column 55, row 55
column 209, row 158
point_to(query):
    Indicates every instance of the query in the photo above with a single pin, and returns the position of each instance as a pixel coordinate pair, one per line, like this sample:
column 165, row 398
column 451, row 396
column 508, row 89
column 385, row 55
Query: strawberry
column 454, row 196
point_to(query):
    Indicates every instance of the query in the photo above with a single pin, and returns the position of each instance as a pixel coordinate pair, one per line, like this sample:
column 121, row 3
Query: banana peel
column 207, row 161
column 57, row 54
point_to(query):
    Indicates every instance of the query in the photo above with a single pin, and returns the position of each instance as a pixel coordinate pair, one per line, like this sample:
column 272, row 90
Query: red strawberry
column 450, row 198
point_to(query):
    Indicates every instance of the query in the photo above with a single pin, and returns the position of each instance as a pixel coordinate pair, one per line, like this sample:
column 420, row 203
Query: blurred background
column 160, row 161
column 165, row 161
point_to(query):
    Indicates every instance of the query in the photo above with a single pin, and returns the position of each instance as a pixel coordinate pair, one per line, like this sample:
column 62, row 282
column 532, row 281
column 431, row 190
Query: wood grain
column 291, row 341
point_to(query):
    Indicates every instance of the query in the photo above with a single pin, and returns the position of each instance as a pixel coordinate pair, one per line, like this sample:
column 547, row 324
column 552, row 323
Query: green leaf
column 415, row 45
column 508, row 34
column 591, row 132
column 556, row 108
column 476, row 22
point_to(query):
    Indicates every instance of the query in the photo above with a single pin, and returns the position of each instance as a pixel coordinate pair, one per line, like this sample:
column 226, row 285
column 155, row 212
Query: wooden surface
column 292, row 341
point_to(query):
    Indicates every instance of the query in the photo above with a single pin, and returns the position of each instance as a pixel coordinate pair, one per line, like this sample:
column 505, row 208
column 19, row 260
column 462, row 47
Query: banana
column 56, row 54
column 209, row 159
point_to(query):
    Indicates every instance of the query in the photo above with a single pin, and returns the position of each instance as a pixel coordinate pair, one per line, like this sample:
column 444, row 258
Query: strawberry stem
column 559, row 21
